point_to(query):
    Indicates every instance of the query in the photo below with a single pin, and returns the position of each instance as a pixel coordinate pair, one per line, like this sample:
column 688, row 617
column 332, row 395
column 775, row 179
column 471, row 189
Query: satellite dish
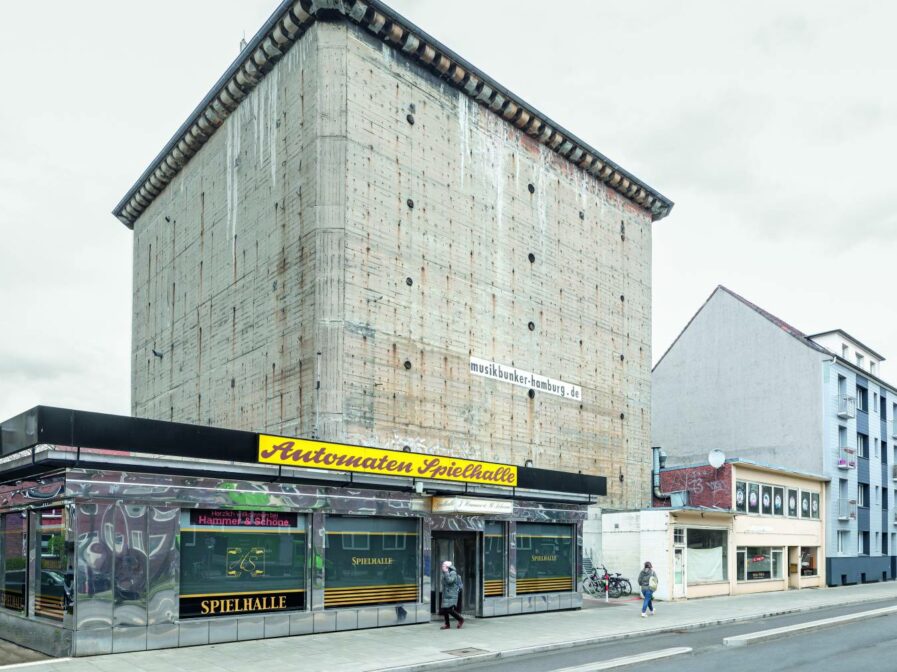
column 716, row 458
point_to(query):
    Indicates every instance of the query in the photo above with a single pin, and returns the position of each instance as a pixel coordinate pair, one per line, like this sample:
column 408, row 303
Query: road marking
column 34, row 663
column 627, row 660
column 750, row 638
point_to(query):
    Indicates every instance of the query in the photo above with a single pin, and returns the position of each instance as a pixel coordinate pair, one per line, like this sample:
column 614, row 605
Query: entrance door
column 678, row 573
column 794, row 567
column 462, row 548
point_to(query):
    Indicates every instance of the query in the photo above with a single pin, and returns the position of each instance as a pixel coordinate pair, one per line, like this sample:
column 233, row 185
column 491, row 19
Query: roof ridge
column 285, row 27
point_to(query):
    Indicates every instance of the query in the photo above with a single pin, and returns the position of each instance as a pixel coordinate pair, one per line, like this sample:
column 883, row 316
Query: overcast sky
column 773, row 126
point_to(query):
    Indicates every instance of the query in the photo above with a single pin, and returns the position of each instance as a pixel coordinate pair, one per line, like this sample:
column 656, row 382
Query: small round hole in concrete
column 410, row 119
column 531, row 394
column 410, row 204
column 407, row 364
column 409, row 281
column 531, row 326
column 531, row 257
column 532, row 189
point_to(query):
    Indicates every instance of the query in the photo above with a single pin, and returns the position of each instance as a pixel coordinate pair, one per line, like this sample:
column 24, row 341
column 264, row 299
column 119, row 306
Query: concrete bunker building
column 358, row 236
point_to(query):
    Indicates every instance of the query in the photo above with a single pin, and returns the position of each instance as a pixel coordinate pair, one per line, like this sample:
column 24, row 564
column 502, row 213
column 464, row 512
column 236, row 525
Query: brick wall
column 706, row 486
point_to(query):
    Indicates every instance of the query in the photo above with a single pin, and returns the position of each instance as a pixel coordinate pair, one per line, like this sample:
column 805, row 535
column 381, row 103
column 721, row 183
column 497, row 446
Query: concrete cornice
column 287, row 25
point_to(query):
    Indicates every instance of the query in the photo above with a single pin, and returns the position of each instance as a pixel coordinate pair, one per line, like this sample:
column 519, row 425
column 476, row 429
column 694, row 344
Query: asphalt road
column 869, row 645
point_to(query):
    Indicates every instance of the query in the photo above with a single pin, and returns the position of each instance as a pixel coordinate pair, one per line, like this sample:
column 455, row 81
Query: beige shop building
column 741, row 528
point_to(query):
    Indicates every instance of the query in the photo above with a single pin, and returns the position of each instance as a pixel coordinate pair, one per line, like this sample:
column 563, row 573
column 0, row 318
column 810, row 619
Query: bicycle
column 597, row 585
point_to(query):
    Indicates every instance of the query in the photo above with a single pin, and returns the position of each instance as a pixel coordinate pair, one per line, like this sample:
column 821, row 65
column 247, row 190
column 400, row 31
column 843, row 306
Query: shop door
column 462, row 548
column 678, row 573
column 794, row 567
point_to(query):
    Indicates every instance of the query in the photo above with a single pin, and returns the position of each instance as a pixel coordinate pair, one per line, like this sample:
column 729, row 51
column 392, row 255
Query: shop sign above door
column 471, row 505
column 339, row 457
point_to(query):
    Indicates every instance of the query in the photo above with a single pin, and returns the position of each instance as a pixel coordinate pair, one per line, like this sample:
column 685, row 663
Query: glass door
column 462, row 549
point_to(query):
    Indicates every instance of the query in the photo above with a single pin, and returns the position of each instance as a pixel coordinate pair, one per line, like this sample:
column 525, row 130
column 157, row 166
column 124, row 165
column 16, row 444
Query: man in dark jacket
column 451, row 588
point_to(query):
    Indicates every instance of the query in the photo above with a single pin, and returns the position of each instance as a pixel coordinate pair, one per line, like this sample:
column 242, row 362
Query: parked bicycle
column 596, row 583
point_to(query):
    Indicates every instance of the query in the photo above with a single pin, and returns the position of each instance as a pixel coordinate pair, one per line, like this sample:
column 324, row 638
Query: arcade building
column 123, row 534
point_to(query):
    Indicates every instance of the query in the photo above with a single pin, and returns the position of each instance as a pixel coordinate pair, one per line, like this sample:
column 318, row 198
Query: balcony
column 847, row 406
column 847, row 509
column 847, row 459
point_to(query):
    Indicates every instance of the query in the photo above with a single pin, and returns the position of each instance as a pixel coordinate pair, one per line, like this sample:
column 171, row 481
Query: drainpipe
column 658, row 462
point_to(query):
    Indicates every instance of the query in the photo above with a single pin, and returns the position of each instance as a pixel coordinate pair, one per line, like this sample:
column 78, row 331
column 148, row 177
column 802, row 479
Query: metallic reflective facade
column 123, row 538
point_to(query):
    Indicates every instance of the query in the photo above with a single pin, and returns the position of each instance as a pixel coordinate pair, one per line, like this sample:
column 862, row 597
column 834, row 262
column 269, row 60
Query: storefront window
column 809, row 561
column 371, row 561
column 760, row 563
column 741, row 496
column 238, row 562
column 707, row 555
column 13, row 560
column 494, row 575
column 544, row 558
column 52, row 588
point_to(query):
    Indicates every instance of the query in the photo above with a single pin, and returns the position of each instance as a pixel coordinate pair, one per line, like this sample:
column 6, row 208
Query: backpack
column 652, row 583
column 458, row 579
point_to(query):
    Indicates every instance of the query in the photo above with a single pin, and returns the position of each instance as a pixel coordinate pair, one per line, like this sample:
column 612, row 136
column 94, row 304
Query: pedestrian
column 647, row 580
column 451, row 589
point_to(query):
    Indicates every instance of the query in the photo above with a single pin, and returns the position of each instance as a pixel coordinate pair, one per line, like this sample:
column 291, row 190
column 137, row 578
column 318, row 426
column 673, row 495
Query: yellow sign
column 339, row 457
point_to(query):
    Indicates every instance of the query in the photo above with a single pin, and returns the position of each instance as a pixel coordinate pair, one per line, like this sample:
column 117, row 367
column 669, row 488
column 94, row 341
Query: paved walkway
column 425, row 647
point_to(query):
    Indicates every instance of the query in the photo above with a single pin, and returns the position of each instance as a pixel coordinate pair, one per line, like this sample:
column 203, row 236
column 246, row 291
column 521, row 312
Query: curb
column 454, row 663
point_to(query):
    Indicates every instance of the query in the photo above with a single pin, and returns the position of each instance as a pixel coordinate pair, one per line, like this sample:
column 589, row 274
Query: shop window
column 766, row 501
column 707, row 558
column 546, row 562
column 814, row 505
column 792, row 503
column 238, row 562
column 809, row 562
column 13, row 560
column 778, row 501
column 495, row 544
column 753, row 498
column 740, row 555
column 51, row 589
column 741, row 496
column 371, row 561
column 760, row 563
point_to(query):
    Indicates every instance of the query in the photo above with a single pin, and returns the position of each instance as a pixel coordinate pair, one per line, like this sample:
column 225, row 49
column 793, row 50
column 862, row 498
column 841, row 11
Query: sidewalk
column 425, row 647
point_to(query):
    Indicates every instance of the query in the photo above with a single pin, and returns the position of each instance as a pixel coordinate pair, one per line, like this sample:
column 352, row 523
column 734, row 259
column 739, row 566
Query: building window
column 759, row 563
column 844, row 350
column 862, row 494
column 863, row 543
column 809, row 562
column 495, row 542
column 707, row 555
column 804, row 504
column 753, row 498
column 366, row 565
column 862, row 399
column 13, row 560
column 842, row 385
column 877, row 496
column 875, row 443
column 862, row 445
column 741, row 496
column 877, row 547
column 778, row 501
column 766, row 501
column 679, row 536
column 875, row 402
column 547, row 565
column 871, row 367
column 843, row 540
column 238, row 562
column 860, row 360
column 792, row 503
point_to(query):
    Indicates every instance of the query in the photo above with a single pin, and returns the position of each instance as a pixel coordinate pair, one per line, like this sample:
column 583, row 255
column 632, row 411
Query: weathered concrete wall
column 291, row 233
column 464, row 247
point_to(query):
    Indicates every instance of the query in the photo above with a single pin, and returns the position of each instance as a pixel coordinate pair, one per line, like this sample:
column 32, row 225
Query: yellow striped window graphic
column 544, row 558
column 371, row 561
